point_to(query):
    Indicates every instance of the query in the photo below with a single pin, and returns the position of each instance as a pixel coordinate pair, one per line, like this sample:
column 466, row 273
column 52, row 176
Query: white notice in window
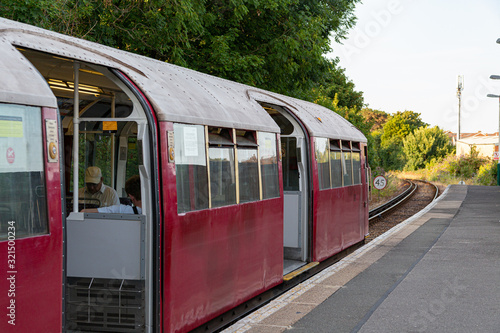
column 190, row 141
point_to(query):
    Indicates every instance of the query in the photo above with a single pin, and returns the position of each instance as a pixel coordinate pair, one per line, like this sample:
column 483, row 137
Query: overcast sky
column 407, row 55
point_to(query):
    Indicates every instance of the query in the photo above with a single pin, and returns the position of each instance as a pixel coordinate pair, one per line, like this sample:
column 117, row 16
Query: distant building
column 485, row 143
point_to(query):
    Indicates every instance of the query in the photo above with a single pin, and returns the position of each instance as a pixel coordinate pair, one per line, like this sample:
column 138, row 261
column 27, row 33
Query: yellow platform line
column 299, row 271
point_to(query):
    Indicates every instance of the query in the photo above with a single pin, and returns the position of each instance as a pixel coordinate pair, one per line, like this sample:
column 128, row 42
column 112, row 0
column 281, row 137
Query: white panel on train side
column 20, row 82
column 292, row 230
column 108, row 246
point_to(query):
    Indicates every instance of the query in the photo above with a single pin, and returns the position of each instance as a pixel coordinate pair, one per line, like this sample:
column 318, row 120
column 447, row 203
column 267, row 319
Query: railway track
column 418, row 195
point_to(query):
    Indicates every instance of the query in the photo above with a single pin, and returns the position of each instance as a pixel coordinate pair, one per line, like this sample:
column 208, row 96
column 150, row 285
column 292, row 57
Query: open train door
column 31, row 245
column 294, row 156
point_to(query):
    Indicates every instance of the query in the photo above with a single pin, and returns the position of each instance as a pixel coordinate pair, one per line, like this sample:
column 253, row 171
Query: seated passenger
column 95, row 189
column 133, row 189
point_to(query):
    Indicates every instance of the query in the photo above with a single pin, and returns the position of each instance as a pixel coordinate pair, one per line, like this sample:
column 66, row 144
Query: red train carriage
column 239, row 187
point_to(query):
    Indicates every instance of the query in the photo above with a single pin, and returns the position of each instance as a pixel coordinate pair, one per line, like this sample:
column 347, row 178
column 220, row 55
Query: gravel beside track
column 424, row 196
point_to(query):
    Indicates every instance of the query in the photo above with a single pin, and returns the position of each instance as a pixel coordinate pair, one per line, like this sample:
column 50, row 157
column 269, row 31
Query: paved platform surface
column 436, row 272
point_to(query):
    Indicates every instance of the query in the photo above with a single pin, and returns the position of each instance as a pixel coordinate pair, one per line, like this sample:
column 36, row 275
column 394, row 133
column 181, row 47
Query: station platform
column 438, row 271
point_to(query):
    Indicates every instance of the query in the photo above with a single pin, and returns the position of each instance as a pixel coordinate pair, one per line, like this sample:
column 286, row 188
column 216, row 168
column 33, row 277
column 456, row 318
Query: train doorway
column 109, row 258
column 294, row 155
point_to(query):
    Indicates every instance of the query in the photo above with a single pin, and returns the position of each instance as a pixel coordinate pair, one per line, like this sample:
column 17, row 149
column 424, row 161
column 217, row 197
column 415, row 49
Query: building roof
column 480, row 140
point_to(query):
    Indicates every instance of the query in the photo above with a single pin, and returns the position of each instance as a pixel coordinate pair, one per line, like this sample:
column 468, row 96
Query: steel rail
column 403, row 197
column 393, row 203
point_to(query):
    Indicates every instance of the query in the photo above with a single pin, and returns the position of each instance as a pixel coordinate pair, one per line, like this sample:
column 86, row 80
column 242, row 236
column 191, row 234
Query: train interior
column 294, row 163
column 105, row 290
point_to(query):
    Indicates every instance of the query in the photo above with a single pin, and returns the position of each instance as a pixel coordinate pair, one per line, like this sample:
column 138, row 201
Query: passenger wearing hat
column 95, row 189
column 133, row 189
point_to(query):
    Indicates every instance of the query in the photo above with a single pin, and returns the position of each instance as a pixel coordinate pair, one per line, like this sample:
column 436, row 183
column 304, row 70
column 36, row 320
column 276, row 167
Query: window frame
column 38, row 122
column 237, row 140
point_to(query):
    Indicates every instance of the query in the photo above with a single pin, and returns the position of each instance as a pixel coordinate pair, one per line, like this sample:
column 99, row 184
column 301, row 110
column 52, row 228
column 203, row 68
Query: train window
column 290, row 165
column 190, row 167
column 248, row 171
column 356, row 163
column 222, row 167
column 248, row 166
column 322, row 157
column 269, row 165
column 23, row 202
column 336, row 163
column 133, row 157
column 347, row 162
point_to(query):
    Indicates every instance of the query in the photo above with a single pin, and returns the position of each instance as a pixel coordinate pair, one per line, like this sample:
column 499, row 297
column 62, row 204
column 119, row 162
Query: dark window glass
column 222, row 176
column 285, row 125
column 248, row 170
column 289, row 164
column 356, row 167
column 347, row 168
column 23, row 202
column 336, row 165
column 269, row 165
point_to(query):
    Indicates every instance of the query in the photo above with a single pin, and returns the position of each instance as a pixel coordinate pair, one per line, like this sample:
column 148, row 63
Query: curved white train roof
column 176, row 93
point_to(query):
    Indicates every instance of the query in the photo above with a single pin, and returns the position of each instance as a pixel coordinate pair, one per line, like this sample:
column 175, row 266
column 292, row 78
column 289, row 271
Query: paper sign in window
column 190, row 141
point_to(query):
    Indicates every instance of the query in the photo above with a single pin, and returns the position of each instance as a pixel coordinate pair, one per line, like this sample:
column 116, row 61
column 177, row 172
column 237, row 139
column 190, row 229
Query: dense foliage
column 375, row 118
column 278, row 45
column 399, row 126
column 424, row 145
column 387, row 143
column 472, row 169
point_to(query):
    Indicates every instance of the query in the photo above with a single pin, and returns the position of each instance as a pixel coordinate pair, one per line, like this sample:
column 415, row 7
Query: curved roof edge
column 319, row 120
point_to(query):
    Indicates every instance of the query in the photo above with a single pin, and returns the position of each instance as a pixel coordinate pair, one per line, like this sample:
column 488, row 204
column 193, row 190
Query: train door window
column 222, row 167
column 290, row 164
column 23, row 202
column 323, row 160
column 248, row 166
column 356, row 163
column 336, row 163
column 133, row 158
column 269, row 165
column 96, row 148
column 347, row 162
column 190, row 167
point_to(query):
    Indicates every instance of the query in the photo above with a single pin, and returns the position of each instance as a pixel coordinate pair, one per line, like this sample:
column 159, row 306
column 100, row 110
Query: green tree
column 387, row 143
column 424, row 145
column 400, row 125
column 277, row 45
column 336, row 90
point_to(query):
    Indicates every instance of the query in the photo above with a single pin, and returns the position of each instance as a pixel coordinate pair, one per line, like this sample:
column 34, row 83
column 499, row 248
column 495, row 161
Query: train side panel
column 339, row 224
column 338, row 216
column 215, row 259
column 31, row 278
column 366, row 184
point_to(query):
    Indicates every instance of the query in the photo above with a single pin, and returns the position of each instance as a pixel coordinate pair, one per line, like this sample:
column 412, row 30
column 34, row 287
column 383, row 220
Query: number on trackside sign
column 379, row 182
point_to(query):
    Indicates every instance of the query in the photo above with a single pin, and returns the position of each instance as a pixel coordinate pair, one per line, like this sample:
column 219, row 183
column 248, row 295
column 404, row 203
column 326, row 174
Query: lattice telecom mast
column 459, row 95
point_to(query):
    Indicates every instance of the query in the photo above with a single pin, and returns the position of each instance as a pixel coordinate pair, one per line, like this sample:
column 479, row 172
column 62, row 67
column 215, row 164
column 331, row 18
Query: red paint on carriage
column 339, row 215
column 338, row 220
column 32, row 287
column 216, row 259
